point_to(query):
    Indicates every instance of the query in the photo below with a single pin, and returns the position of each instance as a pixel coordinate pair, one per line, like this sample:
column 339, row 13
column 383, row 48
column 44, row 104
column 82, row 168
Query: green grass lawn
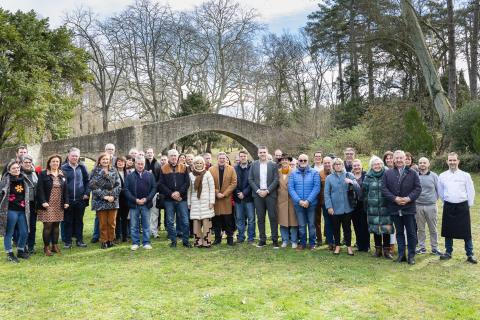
column 243, row 282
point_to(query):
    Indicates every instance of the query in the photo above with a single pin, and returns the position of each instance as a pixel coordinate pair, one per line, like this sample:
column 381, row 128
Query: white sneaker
column 147, row 247
column 284, row 244
column 134, row 247
column 294, row 246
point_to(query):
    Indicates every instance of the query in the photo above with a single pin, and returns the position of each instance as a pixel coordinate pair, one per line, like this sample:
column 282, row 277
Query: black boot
column 22, row 254
column 11, row 257
column 217, row 241
column 401, row 258
column 230, row 241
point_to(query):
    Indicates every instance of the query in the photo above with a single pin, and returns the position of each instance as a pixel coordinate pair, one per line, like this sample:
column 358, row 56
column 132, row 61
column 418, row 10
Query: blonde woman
column 201, row 199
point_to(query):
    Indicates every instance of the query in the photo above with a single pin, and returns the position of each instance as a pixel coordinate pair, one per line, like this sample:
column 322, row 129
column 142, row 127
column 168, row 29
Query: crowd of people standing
column 393, row 200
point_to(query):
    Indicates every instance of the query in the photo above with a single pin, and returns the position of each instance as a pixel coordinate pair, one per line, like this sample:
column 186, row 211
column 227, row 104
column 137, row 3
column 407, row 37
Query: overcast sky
column 278, row 15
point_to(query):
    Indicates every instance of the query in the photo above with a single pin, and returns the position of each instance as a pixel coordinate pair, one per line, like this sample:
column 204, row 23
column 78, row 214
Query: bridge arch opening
column 246, row 144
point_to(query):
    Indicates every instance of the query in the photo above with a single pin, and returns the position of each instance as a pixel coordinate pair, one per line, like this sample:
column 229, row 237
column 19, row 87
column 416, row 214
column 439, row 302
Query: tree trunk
column 208, row 148
column 340, row 75
column 440, row 100
column 452, row 68
column 354, row 81
column 474, row 50
column 370, row 71
column 105, row 118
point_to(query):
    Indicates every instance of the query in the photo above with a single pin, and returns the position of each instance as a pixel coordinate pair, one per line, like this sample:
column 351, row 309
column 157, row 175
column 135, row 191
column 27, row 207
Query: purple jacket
column 407, row 185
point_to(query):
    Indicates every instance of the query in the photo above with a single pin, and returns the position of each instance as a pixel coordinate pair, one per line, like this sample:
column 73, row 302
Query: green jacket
column 379, row 220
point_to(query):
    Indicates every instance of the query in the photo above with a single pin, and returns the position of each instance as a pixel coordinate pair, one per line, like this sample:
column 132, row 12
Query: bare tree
column 106, row 60
column 224, row 26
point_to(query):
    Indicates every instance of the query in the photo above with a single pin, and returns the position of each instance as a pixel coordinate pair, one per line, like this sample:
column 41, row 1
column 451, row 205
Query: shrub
column 459, row 129
column 356, row 137
column 475, row 132
column 469, row 162
column 417, row 139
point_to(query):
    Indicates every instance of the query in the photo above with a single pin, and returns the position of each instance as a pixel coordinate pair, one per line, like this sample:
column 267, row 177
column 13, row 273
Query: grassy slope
column 242, row 282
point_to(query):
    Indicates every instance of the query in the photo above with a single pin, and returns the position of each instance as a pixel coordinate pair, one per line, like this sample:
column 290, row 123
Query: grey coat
column 272, row 178
column 4, row 192
column 103, row 185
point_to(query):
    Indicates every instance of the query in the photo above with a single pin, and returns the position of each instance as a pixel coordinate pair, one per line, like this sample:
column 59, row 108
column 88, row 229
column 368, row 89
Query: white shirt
column 263, row 176
column 318, row 168
column 456, row 187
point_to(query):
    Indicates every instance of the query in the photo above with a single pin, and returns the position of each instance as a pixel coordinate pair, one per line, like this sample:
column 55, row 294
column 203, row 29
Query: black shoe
column 67, row 246
column 110, row 244
column 173, row 244
column 31, row 251
column 187, row 245
column 217, row 241
column 401, row 258
column 319, row 243
column 94, row 240
column 472, row 259
column 411, row 261
column 104, row 245
column 22, row 254
column 230, row 242
column 446, row 256
column 11, row 257
column 81, row 244
column 261, row 244
column 275, row 245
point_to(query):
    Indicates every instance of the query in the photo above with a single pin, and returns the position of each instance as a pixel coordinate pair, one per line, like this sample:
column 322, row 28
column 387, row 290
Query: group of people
column 394, row 199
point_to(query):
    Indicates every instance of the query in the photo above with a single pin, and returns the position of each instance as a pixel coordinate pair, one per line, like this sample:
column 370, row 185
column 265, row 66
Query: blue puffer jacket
column 336, row 192
column 304, row 185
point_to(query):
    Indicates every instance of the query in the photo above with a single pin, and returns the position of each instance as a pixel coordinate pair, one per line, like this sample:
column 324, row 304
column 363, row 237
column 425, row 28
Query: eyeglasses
column 27, row 162
column 301, row 160
column 337, row 164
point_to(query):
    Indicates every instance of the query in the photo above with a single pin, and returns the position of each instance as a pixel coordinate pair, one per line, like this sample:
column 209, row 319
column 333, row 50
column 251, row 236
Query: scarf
column 197, row 185
column 285, row 170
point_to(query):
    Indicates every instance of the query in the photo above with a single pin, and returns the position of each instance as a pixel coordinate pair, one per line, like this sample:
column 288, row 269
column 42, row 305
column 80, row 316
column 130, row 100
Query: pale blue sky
column 278, row 15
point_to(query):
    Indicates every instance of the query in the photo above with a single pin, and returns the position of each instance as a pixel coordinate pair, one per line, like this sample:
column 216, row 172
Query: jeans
column 468, row 246
column 289, row 234
column 306, row 217
column 73, row 222
column 328, row 226
column 96, row 229
column 245, row 211
column 407, row 223
column 143, row 213
column 181, row 208
column 15, row 218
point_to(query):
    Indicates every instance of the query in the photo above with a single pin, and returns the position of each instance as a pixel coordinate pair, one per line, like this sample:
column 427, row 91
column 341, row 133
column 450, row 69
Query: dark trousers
column 122, row 223
column 262, row 205
column 345, row 221
column 407, row 223
column 318, row 221
column 223, row 222
column 382, row 240
column 33, row 226
column 360, row 225
column 73, row 221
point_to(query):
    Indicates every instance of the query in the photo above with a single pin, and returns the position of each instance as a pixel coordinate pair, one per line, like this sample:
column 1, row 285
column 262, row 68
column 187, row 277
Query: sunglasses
column 302, row 160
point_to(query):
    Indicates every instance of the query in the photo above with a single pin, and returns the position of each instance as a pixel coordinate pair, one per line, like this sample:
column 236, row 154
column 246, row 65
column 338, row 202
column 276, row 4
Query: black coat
column 408, row 185
column 44, row 188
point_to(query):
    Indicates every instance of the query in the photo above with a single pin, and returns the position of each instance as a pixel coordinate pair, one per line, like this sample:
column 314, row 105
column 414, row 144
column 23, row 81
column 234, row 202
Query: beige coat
column 223, row 206
column 285, row 209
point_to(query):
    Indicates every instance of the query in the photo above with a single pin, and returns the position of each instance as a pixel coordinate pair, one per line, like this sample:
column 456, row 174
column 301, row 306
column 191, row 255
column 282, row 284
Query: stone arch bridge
column 160, row 135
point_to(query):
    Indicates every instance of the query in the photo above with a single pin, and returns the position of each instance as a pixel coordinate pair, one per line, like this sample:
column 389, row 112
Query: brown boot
column 56, row 249
column 378, row 252
column 46, row 250
column 387, row 253
column 392, row 249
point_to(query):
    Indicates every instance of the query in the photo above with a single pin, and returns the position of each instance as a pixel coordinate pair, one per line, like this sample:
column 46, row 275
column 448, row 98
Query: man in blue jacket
column 244, row 208
column 140, row 188
column 401, row 186
column 77, row 184
column 304, row 187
